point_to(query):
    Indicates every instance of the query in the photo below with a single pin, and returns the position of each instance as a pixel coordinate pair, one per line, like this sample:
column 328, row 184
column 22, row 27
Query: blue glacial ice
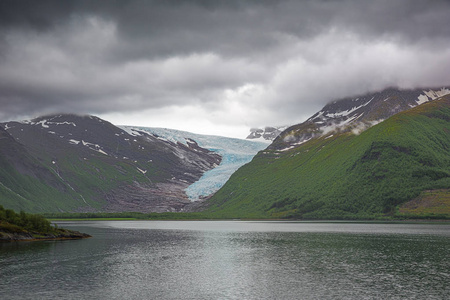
column 235, row 153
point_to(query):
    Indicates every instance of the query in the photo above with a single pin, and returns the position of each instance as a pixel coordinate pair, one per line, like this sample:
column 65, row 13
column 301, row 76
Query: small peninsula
column 29, row 227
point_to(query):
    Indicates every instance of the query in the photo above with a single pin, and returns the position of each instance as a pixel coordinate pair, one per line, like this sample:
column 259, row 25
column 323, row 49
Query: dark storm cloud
column 179, row 27
column 273, row 59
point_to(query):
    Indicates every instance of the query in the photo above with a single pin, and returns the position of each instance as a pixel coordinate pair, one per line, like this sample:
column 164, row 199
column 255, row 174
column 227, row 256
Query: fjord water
column 232, row 260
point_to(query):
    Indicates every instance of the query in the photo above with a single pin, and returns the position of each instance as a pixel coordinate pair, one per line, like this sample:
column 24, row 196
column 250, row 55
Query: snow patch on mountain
column 235, row 153
column 140, row 170
column 347, row 112
column 130, row 130
column 295, row 145
column 46, row 123
column 431, row 95
column 92, row 146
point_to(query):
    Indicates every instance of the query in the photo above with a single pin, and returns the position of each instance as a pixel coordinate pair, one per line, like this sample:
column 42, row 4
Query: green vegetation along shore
column 26, row 227
column 130, row 216
column 174, row 216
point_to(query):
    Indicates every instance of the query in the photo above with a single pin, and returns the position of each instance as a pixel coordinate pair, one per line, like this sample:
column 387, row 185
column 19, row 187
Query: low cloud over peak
column 220, row 65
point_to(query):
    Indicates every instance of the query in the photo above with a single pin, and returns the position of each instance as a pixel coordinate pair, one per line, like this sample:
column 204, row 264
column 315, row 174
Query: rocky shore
column 59, row 234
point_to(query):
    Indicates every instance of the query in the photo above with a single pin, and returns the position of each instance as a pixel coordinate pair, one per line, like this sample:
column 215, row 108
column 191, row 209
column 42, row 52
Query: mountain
column 267, row 133
column 355, row 114
column 351, row 113
column 83, row 163
column 330, row 168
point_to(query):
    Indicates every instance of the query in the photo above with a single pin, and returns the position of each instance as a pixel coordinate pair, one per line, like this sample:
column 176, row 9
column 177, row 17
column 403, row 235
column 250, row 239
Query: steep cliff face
column 100, row 167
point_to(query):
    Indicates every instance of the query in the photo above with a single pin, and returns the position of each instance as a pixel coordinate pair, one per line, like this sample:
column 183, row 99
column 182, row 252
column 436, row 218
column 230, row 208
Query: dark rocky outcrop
column 59, row 234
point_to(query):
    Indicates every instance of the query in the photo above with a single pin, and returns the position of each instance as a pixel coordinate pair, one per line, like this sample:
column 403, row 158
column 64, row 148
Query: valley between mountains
column 383, row 154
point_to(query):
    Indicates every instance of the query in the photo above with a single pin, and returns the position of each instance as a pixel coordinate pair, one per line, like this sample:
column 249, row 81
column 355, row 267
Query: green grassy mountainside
column 23, row 180
column 70, row 163
column 402, row 162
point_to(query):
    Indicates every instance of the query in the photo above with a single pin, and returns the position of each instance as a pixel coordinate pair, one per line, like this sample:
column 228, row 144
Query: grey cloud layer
column 278, row 59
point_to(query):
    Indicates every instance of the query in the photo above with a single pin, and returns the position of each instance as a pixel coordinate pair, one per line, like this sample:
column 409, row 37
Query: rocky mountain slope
column 356, row 158
column 82, row 163
column 355, row 114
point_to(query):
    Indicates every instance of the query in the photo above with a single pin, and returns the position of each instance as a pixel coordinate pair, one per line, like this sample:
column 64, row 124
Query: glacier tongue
column 235, row 153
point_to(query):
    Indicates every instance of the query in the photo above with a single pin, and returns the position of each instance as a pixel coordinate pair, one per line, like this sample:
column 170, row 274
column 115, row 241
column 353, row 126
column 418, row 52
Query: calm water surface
column 232, row 260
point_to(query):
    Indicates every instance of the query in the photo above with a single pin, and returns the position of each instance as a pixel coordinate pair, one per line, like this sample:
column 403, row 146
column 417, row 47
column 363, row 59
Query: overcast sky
column 213, row 67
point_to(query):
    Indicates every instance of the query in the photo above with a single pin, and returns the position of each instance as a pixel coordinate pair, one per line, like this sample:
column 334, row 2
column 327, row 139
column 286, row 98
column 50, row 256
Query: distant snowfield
column 235, row 153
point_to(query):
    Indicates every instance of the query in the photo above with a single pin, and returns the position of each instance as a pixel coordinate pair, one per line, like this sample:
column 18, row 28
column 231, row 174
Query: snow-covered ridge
column 346, row 112
column 46, row 123
column 333, row 121
column 431, row 95
column 355, row 114
column 234, row 152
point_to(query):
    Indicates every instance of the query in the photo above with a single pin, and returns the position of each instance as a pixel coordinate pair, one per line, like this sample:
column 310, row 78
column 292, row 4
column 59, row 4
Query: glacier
column 235, row 153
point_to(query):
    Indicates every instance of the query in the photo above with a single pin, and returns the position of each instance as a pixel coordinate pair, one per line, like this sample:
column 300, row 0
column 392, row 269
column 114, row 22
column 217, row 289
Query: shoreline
column 413, row 221
column 30, row 236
